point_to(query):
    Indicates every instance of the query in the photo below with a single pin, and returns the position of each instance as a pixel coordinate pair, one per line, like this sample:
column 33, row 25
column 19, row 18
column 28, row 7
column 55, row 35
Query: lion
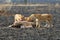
column 17, row 20
column 18, row 17
column 42, row 17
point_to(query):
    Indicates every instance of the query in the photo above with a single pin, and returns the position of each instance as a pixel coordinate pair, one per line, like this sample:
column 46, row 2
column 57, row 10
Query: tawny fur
column 42, row 17
column 18, row 17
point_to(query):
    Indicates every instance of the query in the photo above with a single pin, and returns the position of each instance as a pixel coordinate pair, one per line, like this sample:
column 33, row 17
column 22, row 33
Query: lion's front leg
column 37, row 23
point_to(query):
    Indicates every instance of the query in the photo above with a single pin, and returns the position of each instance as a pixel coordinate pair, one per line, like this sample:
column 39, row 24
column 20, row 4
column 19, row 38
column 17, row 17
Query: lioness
column 18, row 17
column 42, row 17
column 17, row 20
